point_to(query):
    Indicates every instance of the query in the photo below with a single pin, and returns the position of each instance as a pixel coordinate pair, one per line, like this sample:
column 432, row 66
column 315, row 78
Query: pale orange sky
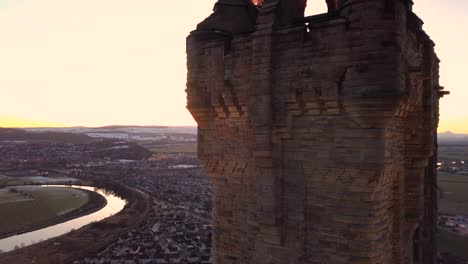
column 102, row 62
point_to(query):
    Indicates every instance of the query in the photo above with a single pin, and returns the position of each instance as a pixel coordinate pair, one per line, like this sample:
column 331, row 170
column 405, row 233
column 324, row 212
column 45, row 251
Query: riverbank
column 90, row 239
column 95, row 203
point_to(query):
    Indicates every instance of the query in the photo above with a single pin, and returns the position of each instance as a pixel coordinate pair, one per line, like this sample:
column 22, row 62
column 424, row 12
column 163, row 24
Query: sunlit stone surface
column 318, row 134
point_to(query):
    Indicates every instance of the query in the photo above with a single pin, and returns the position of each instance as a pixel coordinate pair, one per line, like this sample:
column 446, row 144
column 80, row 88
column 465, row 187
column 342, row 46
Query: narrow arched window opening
column 316, row 8
column 416, row 247
column 257, row 2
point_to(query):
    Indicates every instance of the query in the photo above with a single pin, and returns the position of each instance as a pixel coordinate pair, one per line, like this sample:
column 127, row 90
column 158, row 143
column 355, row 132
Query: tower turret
column 233, row 16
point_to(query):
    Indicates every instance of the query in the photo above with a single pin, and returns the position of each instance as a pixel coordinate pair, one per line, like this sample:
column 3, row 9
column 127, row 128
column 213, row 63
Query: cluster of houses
column 178, row 228
column 458, row 167
column 456, row 223
column 46, row 155
column 170, row 234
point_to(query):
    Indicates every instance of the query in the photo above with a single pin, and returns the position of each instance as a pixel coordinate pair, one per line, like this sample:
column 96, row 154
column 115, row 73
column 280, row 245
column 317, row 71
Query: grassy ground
column 89, row 240
column 27, row 205
column 449, row 242
column 451, row 152
column 174, row 148
column 7, row 181
column 454, row 198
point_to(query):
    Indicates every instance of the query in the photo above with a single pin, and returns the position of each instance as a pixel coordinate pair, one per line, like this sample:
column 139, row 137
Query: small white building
column 460, row 219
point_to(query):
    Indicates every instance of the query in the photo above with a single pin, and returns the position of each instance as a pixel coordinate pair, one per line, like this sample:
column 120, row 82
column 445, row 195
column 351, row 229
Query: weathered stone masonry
column 319, row 133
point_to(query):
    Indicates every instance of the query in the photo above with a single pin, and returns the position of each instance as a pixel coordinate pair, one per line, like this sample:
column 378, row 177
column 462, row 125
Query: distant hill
column 450, row 137
column 96, row 127
column 161, row 134
column 137, row 133
column 126, row 127
column 13, row 134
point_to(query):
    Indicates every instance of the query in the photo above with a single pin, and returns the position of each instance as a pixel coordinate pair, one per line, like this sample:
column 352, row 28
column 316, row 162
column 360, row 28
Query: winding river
column 114, row 205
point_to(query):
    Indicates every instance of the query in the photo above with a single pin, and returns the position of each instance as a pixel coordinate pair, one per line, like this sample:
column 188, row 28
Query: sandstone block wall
column 318, row 134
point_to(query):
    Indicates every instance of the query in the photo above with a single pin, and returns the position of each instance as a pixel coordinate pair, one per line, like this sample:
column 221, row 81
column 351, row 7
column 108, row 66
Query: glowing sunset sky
column 102, row 62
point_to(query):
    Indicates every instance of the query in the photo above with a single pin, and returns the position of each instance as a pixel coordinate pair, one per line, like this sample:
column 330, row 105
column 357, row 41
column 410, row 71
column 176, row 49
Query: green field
column 452, row 243
column 454, row 197
column 454, row 200
column 174, row 148
column 27, row 206
column 8, row 181
column 450, row 152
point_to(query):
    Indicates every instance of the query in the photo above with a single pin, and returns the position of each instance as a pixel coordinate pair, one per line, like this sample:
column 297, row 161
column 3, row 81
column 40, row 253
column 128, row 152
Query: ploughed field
column 26, row 207
column 187, row 147
column 7, row 181
column 453, row 201
column 449, row 242
column 454, row 194
column 454, row 151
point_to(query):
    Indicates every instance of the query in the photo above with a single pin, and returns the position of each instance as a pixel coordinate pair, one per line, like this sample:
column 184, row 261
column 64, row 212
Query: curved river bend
column 114, row 205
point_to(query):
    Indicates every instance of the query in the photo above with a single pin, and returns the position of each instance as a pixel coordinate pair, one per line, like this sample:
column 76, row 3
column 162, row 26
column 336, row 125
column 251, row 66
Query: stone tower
column 318, row 133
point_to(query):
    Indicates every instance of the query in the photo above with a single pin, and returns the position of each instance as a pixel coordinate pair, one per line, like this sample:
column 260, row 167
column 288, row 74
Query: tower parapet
column 318, row 133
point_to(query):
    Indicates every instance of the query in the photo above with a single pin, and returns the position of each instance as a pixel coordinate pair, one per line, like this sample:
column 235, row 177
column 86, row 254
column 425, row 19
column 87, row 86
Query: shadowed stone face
column 334, row 5
column 318, row 134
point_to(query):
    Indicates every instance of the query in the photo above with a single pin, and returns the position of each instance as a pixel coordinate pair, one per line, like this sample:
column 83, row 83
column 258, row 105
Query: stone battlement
column 318, row 133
